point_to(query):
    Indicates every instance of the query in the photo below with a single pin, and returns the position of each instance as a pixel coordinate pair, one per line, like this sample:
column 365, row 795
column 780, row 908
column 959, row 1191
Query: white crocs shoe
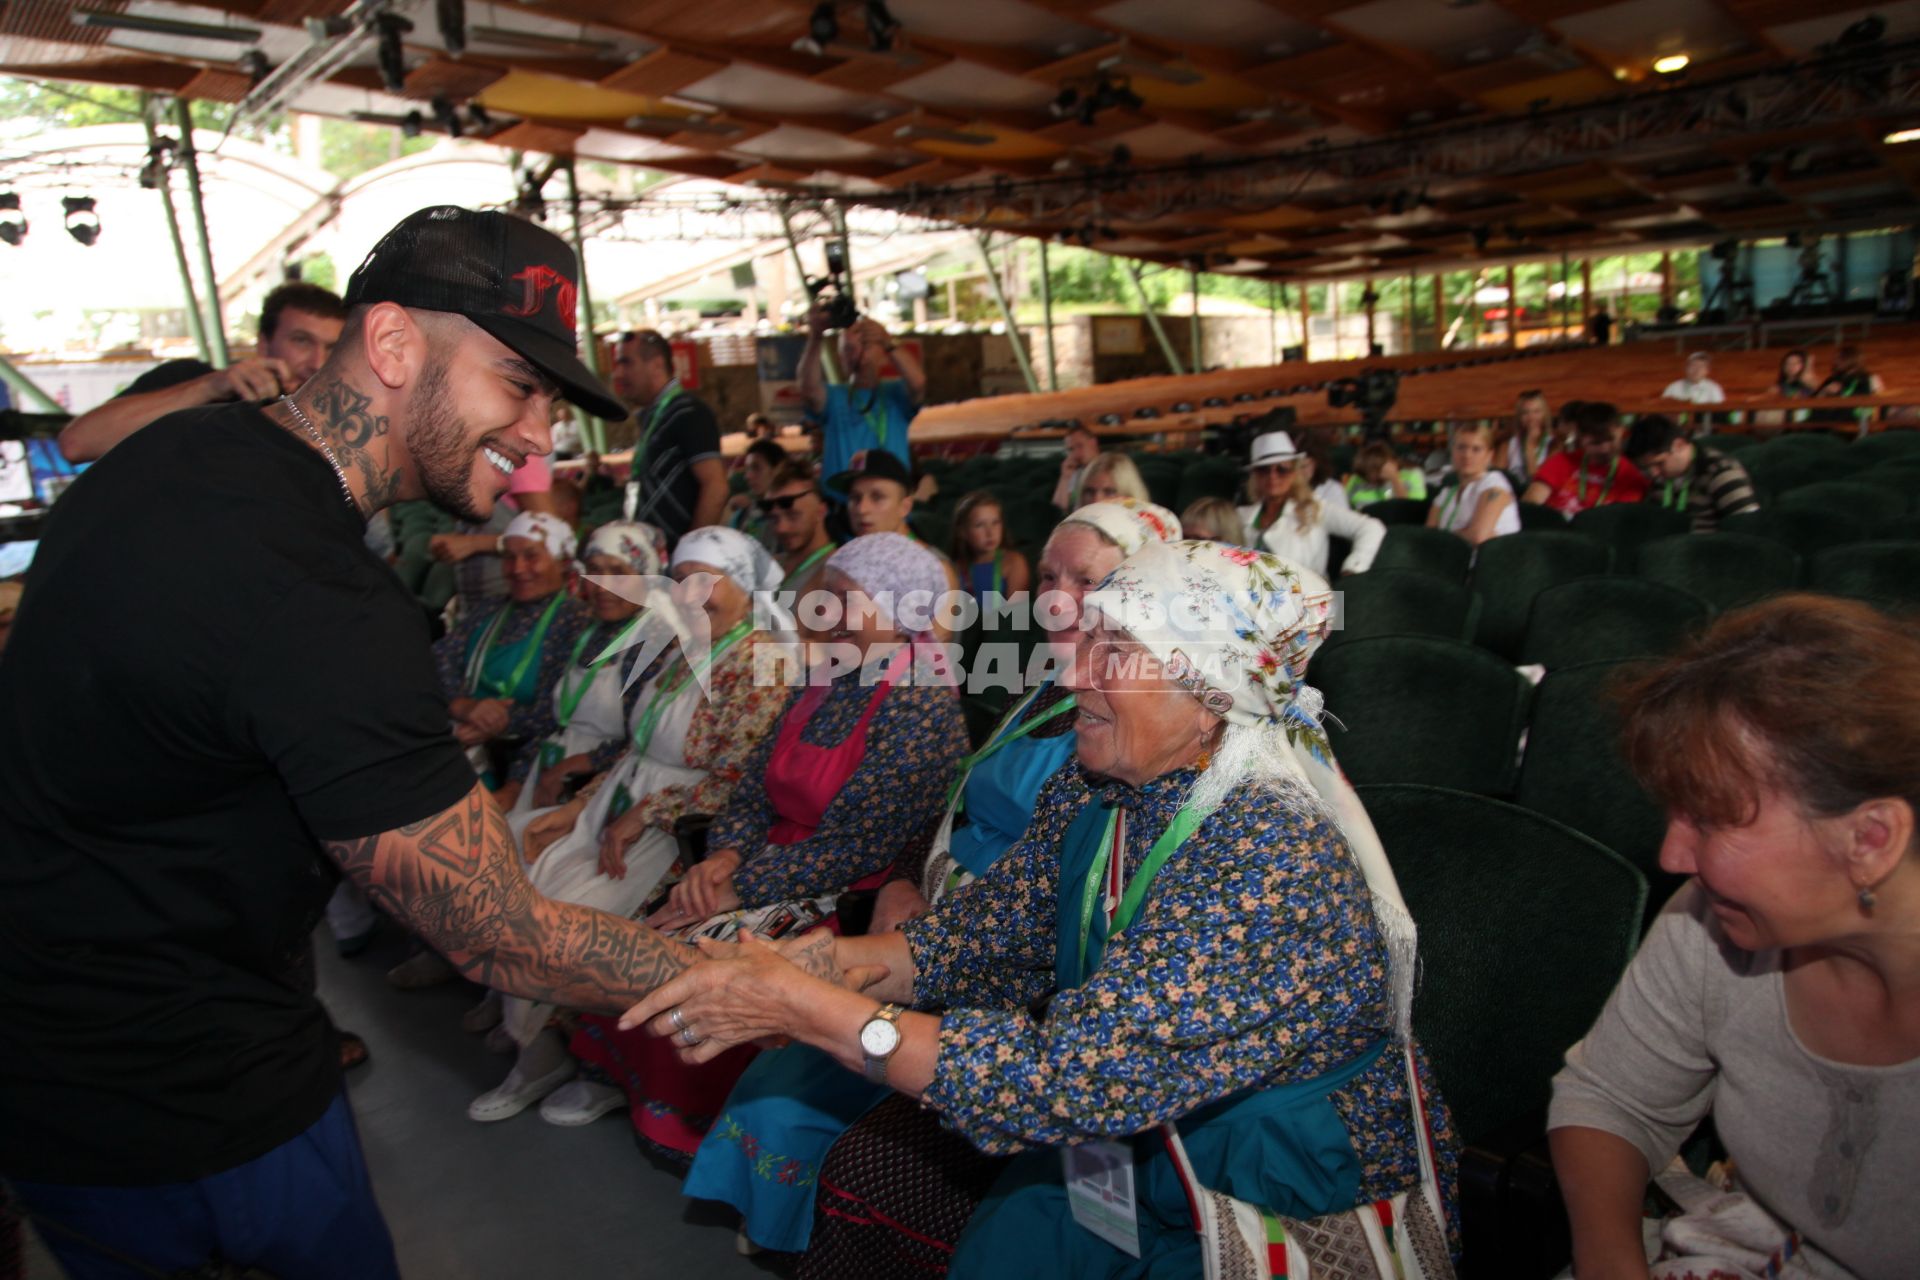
column 516, row 1094
column 581, row 1102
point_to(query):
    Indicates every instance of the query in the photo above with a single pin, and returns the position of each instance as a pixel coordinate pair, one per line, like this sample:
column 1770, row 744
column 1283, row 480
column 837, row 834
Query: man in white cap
column 190, row 757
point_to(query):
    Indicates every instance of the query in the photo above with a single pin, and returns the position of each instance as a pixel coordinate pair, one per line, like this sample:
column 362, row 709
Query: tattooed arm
column 456, row 880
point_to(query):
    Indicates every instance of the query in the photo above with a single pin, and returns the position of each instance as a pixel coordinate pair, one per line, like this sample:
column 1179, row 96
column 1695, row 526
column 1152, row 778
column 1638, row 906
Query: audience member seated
column 684, row 749
column 1215, row 520
column 1479, row 503
column 1111, row 476
column 1600, row 327
column 1592, row 473
column 858, row 764
column 474, row 574
column 1795, row 378
column 867, row 413
column 1779, row 992
column 1290, row 519
column 1316, row 459
column 796, row 1101
column 1082, row 448
column 1850, row 377
column 593, row 696
column 1708, row 486
column 761, row 427
column 980, row 550
column 1537, row 436
column 1695, row 386
column 879, row 492
column 1378, row 475
column 299, row 323
column 796, row 514
column 757, row 465
column 1260, row 994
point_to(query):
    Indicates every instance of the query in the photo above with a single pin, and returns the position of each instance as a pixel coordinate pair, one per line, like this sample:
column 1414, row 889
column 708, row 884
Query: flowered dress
column 1254, row 966
column 478, row 659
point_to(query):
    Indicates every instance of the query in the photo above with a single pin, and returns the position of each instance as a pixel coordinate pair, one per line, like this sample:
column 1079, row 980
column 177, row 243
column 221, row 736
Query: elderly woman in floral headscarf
column 858, row 762
column 1217, row 947
column 793, row 1103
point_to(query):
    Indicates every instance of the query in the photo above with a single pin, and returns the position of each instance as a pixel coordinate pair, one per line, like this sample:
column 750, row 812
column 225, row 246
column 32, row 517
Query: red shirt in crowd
column 1572, row 489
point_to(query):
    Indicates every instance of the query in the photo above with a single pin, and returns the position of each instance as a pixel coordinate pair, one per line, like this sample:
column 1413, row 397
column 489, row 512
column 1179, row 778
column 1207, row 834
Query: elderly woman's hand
column 554, row 780
column 742, row 992
column 547, row 828
column 706, row 890
column 489, row 716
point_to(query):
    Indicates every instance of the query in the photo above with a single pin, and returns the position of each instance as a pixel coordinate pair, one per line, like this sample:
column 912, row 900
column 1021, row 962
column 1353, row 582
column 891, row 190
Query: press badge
column 1099, row 1178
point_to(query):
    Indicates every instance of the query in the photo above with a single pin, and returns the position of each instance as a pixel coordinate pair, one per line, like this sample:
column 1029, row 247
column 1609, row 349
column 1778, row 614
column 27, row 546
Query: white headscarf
column 642, row 546
column 733, row 553
column 902, row 577
column 1236, row 628
column 551, row 532
column 1129, row 522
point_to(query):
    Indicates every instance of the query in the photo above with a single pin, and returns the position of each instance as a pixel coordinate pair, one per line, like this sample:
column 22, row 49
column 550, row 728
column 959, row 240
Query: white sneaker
column 515, row 1094
column 484, row 1016
column 581, row 1102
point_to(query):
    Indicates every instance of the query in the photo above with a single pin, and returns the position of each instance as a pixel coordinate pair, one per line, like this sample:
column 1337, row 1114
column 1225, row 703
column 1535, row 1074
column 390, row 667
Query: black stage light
column 451, row 17
column 389, row 53
column 13, row 223
column 823, row 27
column 83, row 224
column 881, row 26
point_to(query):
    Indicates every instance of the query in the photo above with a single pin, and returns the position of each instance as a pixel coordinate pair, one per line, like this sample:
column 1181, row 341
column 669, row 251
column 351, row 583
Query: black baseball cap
column 875, row 464
column 517, row 281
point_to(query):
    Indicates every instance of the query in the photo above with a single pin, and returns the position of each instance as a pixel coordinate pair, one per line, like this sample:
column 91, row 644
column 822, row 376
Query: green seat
column 1589, row 619
column 1573, row 770
column 1866, row 502
column 1399, row 510
column 1422, row 709
column 1386, row 602
column 1416, row 547
column 1887, row 445
column 1726, row 570
column 1881, row 573
column 1625, row 525
column 1536, row 518
column 1728, row 444
column 1214, row 477
column 1905, row 529
column 1512, row 570
column 1525, row 927
column 1815, row 439
column 1805, row 530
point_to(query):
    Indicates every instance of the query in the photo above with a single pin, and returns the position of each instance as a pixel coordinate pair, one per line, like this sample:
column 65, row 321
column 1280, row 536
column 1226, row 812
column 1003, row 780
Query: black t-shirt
column 665, row 489
column 208, row 671
column 170, row 374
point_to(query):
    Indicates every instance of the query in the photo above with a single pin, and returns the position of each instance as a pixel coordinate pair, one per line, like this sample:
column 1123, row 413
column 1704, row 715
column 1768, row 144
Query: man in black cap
column 879, row 492
column 214, row 700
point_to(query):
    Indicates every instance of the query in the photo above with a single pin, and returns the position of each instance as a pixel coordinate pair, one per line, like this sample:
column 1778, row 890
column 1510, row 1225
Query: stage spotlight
column 881, row 26
column 823, row 27
column 153, row 173
column 411, row 124
column 1063, row 106
column 1482, row 234
column 83, row 224
column 13, row 223
column 449, row 118
column 477, row 116
column 1671, row 63
column 389, row 53
column 451, row 17
column 1122, row 95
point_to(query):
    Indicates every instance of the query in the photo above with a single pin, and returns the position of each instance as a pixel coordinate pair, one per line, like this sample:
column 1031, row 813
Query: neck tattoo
column 326, row 451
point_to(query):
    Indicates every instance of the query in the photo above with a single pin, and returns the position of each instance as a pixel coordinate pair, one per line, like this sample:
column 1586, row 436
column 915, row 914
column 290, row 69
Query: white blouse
column 1309, row 548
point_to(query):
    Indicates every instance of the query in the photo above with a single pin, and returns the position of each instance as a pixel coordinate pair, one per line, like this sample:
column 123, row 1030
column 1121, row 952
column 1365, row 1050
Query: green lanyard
column 800, row 570
column 571, row 692
column 1448, row 503
column 527, row 659
column 1183, row 825
column 1605, row 489
column 1260, row 530
column 955, row 800
column 878, row 419
column 999, row 576
column 666, row 690
column 1667, row 498
column 659, row 406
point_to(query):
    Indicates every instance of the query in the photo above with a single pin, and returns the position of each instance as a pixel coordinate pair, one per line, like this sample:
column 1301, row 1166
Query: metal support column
column 1193, row 319
column 189, row 159
column 28, row 391
column 1006, row 312
column 1153, row 321
column 829, row 362
column 592, row 430
column 1046, row 318
column 196, row 326
column 1273, row 320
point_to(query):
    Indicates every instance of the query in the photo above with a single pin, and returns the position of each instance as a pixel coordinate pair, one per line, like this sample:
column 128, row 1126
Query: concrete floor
column 516, row 1200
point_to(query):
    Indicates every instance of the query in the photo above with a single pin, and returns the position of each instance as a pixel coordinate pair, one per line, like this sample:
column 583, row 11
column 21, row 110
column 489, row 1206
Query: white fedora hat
column 1274, row 446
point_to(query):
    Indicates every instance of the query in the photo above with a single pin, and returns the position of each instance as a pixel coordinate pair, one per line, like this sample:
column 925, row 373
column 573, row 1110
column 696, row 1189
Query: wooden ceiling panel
column 663, row 71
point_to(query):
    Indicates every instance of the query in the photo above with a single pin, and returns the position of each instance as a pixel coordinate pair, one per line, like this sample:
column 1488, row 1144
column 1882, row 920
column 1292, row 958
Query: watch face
column 879, row 1038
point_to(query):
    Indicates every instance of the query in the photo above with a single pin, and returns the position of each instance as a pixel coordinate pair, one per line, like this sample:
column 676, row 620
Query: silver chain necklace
column 325, row 450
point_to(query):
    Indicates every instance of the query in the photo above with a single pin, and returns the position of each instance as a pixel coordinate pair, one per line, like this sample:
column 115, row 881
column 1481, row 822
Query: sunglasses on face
column 784, row 502
column 1274, row 468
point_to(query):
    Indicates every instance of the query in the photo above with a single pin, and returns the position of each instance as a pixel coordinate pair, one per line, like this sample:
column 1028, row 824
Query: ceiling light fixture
column 1139, row 64
column 83, row 224
column 540, row 42
column 823, row 25
column 451, row 17
column 684, row 124
column 13, row 223
column 1670, row 63
column 149, row 24
column 936, row 133
column 1902, row 135
column 882, row 26
column 449, row 119
column 389, row 53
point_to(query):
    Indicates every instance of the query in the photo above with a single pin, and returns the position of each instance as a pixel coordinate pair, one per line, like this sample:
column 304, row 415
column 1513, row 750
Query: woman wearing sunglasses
column 1287, row 518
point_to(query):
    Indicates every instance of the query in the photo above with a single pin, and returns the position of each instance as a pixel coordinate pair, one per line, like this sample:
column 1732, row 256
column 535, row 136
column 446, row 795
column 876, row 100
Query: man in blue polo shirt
column 865, row 412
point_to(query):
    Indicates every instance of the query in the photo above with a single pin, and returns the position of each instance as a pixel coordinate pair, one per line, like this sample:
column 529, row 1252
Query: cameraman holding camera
column 863, row 413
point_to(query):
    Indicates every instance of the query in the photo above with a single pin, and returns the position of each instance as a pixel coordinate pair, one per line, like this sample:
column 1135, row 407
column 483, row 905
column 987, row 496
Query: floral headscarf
column 642, row 546
column 551, row 532
column 733, row 553
column 902, row 577
column 1129, row 522
column 1236, row 628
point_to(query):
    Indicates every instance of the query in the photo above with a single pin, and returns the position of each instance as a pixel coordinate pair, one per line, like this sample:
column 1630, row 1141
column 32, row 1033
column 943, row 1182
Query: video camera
column 1373, row 393
column 1235, row 439
column 833, row 291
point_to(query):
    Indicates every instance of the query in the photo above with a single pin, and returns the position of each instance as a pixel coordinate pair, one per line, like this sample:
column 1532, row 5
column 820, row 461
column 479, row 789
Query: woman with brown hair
column 1779, row 992
column 980, row 550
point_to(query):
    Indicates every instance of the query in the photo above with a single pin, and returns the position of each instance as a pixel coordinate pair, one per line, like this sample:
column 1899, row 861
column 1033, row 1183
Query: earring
column 1867, row 899
column 1206, row 757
